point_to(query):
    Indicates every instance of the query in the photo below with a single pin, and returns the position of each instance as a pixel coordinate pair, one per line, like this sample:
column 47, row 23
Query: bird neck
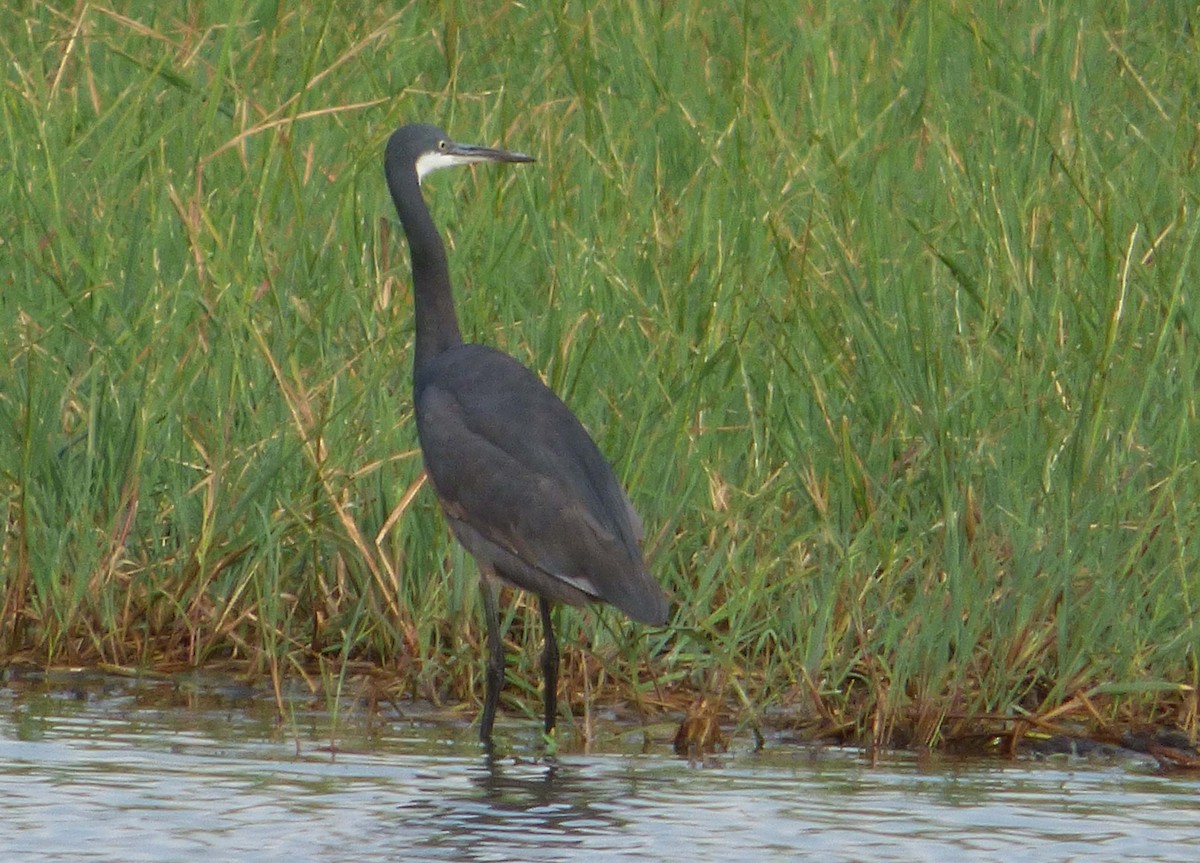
column 433, row 299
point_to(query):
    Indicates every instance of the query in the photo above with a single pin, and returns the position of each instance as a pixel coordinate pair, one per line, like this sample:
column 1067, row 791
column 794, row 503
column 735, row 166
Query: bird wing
column 512, row 464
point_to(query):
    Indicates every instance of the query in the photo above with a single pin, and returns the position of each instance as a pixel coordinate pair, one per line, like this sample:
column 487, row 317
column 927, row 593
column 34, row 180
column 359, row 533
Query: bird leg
column 495, row 661
column 549, row 665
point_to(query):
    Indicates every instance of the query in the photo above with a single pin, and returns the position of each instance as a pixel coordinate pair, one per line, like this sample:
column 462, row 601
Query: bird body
column 524, row 488
column 534, row 497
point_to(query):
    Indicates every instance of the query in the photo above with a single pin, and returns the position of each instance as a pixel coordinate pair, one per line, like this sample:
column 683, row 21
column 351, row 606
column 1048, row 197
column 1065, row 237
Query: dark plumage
column 525, row 489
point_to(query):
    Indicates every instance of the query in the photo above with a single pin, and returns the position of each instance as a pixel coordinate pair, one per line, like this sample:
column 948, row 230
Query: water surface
column 97, row 769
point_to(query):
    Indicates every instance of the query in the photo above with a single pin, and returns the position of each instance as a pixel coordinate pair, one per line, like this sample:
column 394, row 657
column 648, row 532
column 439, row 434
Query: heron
column 523, row 486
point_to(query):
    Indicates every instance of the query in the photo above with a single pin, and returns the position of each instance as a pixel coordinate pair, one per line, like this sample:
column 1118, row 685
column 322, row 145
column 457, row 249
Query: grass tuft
column 881, row 313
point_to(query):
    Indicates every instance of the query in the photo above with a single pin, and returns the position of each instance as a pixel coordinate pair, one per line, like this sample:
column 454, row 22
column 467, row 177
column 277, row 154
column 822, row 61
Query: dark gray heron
column 524, row 488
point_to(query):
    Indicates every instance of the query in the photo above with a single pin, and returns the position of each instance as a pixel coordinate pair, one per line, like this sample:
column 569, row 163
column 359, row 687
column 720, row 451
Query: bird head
column 423, row 148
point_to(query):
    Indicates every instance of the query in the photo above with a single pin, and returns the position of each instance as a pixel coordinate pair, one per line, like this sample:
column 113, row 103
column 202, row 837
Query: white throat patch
column 427, row 163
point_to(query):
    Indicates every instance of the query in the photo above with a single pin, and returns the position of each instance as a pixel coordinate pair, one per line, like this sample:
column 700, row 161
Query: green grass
column 882, row 311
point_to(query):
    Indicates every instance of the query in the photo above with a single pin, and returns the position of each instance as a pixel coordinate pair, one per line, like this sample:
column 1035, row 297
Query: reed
column 880, row 311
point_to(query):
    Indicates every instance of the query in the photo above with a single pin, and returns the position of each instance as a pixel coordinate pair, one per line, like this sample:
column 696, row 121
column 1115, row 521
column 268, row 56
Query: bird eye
column 442, row 145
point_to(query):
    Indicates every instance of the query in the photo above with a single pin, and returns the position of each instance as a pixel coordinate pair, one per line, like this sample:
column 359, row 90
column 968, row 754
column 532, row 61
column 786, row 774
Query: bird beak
column 468, row 153
column 450, row 154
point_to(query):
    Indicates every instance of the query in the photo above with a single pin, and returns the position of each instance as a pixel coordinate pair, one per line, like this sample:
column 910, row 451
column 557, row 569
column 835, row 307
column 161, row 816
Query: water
column 95, row 769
